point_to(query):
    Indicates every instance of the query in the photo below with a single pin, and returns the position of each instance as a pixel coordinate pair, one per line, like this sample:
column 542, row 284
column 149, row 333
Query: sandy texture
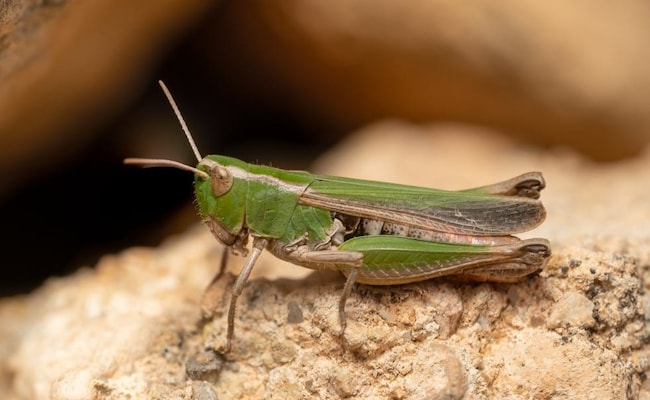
column 132, row 326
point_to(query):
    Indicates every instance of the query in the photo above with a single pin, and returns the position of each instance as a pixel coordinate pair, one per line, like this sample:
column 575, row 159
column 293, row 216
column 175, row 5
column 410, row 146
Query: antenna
column 190, row 139
column 157, row 162
column 161, row 162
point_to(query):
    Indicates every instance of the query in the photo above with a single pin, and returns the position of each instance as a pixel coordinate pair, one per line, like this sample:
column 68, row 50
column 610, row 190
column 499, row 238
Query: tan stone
column 129, row 326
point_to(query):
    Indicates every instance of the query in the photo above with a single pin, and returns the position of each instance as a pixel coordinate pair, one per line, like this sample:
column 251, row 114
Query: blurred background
column 277, row 83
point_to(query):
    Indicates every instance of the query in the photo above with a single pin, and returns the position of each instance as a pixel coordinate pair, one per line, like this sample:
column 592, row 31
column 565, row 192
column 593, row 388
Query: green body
column 272, row 207
column 289, row 206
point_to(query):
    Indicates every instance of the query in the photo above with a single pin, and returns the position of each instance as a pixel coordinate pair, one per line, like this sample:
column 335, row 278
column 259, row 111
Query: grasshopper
column 375, row 233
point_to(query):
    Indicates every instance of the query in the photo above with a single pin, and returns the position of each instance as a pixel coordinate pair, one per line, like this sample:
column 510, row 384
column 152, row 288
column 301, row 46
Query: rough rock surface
column 132, row 325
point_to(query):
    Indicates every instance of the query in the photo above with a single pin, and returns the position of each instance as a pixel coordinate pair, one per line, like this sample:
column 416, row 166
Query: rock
column 132, row 325
column 574, row 309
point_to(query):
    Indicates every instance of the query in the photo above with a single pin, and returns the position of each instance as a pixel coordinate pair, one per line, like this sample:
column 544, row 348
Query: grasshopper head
column 221, row 200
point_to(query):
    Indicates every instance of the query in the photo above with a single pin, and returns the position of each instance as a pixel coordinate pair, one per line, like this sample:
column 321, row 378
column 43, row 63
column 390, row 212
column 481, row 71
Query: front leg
column 258, row 245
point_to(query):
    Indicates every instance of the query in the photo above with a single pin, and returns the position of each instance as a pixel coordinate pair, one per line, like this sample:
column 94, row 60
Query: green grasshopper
column 375, row 233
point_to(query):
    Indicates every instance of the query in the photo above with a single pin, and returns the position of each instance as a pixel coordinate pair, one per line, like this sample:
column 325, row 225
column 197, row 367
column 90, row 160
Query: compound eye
column 221, row 180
